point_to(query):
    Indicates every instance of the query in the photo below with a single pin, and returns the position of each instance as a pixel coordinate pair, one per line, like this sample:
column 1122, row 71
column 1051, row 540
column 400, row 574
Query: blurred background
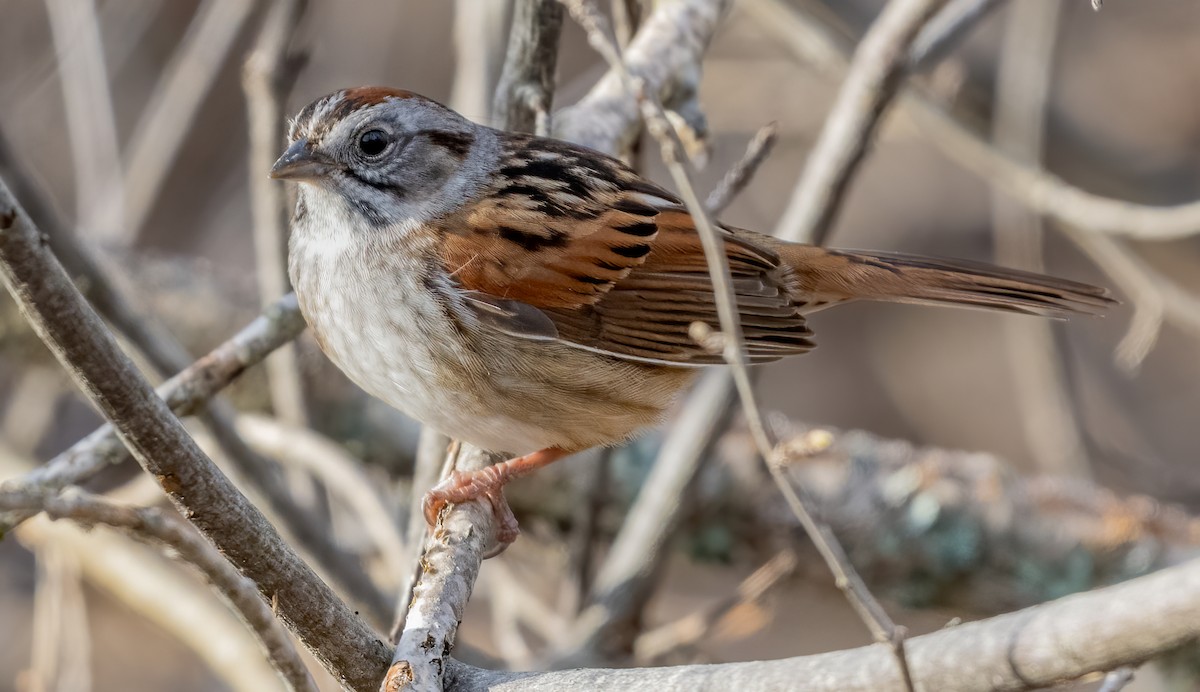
column 130, row 115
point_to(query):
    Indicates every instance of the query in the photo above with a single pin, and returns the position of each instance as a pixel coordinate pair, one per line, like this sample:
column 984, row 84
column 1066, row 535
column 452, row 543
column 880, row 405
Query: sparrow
column 532, row 296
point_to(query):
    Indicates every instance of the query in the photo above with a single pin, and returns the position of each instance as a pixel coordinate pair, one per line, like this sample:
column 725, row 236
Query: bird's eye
column 373, row 142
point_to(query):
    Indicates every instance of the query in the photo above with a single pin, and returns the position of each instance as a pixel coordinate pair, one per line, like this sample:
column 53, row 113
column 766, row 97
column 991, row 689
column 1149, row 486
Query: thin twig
column 154, row 525
column 60, row 644
column 525, row 93
column 433, row 452
column 67, row 324
column 594, row 485
column 267, row 78
column 847, row 579
column 876, row 72
column 740, row 175
column 184, row 394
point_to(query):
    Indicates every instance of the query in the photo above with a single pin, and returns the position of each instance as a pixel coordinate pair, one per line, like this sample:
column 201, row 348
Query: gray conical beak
column 299, row 162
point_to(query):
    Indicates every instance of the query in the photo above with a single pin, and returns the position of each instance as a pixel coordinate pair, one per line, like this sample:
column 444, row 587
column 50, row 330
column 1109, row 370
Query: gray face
column 390, row 156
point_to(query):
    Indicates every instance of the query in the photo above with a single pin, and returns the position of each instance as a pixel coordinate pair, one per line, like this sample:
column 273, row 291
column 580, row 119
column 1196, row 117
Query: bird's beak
column 299, row 162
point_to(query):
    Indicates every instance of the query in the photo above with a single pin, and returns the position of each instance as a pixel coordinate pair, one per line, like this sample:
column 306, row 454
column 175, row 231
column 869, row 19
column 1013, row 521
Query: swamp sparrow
column 530, row 295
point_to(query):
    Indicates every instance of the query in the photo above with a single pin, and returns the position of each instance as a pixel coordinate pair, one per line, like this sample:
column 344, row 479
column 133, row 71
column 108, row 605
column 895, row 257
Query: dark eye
column 373, row 142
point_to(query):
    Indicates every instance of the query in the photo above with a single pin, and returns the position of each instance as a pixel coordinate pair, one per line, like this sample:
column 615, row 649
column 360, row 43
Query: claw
column 487, row 483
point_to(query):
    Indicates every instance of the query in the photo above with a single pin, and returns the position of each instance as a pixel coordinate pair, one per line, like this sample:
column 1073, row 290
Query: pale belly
column 394, row 339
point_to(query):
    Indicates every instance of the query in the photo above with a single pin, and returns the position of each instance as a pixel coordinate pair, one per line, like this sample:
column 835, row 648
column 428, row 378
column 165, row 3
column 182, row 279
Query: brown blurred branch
column 267, row 78
column 1023, row 87
column 155, row 526
column 1029, row 649
column 159, row 443
column 525, row 93
column 478, row 49
column 167, row 119
column 875, row 73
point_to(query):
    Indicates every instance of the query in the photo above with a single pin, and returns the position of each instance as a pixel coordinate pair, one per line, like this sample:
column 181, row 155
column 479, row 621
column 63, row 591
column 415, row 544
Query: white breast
column 377, row 317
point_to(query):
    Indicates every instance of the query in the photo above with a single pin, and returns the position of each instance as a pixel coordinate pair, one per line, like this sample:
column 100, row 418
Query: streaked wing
column 647, row 316
column 559, row 230
column 614, row 262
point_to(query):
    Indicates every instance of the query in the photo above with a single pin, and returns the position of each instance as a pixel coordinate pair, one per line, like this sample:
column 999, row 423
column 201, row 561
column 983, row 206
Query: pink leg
column 489, row 482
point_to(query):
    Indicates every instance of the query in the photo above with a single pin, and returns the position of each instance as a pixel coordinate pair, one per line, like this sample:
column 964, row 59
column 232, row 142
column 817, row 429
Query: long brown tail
column 840, row 275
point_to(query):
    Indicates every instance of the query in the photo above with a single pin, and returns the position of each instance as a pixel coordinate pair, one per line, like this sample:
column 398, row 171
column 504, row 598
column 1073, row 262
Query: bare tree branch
column 159, row 443
column 154, row 588
column 945, row 28
column 184, row 394
column 525, row 93
column 1029, row 649
column 665, row 54
column 147, row 523
column 450, row 565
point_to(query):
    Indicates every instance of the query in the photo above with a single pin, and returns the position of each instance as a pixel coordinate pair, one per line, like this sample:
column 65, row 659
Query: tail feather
column 839, row 275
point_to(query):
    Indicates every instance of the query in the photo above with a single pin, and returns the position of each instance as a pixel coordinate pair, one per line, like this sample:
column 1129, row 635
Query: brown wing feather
column 560, row 228
column 648, row 314
column 612, row 260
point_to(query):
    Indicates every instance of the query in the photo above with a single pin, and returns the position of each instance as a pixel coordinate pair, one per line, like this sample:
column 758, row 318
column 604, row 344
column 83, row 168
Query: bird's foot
column 488, row 483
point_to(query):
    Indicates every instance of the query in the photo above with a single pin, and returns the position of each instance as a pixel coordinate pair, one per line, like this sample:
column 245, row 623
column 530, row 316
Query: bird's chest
column 378, row 319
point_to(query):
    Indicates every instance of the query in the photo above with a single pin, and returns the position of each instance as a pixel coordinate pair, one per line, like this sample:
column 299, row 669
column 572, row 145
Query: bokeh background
column 1122, row 119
